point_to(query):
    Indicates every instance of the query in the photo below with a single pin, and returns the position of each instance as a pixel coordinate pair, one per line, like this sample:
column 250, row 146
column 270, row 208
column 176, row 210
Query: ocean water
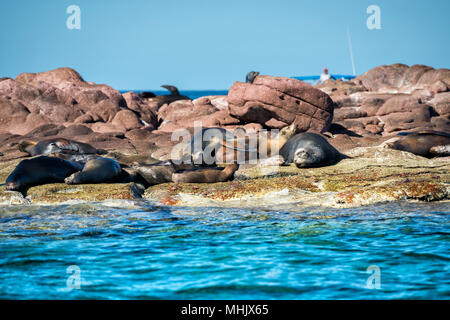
column 193, row 94
column 139, row 250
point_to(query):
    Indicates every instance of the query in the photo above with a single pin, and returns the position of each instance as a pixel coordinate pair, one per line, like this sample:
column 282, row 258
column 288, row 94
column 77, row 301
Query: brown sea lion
column 206, row 144
column 40, row 170
column 98, row 170
column 206, row 175
column 160, row 172
column 76, row 151
column 427, row 144
column 267, row 145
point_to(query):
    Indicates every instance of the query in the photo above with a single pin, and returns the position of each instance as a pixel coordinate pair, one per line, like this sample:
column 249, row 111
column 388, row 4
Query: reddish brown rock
column 374, row 128
column 442, row 109
column 399, row 104
column 12, row 115
column 46, row 130
column 53, row 76
column 59, row 96
column 142, row 109
column 75, row 130
column 348, row 113
column 127, row 119
column 401, row 78
column 138, row 134
column 438, row 87
column 218, row 118
column 383, row 77
column 88, row 117
column 275, row 124
column 398, row 121
column 284, row 99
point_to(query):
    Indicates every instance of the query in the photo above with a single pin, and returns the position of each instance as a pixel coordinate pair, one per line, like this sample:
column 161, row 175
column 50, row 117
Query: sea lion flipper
column 26, row 146
column 442, row 150
column 236, row 144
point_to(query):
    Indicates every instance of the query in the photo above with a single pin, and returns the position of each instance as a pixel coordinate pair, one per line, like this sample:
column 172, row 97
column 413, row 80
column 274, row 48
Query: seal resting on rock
column 427, row 144
column 165, row 98
column 268, row 145
column 206, row 144
column 206, row 175
column 40, row 170
column 76, row 151
column 96, row 170
column 160, row 172
column 309, row 149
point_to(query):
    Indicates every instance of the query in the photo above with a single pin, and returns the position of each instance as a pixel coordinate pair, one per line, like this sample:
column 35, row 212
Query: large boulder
column 141, row 108
column 283, row 99
column 401, row 78
column 184, row 114
column 61, row 96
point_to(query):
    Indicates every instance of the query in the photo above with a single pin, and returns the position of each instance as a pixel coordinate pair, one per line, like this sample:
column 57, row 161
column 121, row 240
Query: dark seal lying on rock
column 309, row 149
column 98, row 170
column 76, row 151
column 164, row 98
column 427, row 144
column 160, row 172
column 40, row 170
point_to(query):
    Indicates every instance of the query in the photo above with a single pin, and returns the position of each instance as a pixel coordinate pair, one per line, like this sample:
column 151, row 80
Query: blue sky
column 209, row 44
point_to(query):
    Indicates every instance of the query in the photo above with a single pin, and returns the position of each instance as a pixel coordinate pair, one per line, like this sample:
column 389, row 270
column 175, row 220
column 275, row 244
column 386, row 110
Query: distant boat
column 313, row 79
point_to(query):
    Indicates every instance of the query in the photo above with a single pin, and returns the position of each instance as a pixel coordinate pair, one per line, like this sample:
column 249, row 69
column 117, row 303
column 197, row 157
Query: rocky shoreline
column 356, row 118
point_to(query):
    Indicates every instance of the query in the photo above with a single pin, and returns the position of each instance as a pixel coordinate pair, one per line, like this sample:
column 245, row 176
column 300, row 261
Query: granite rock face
column 277, row 101
column 391, row 99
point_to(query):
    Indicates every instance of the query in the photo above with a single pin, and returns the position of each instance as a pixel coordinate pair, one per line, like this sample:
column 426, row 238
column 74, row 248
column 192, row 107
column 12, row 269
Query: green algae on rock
column 371, row 175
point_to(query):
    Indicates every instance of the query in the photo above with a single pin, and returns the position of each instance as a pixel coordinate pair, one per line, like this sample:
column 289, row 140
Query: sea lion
column 40, row 170
column 160, row 172
column 251, row 76
column 267, row 144
column 160, row 100
column 206, row 144
column 74, row 150
column 147, row 94
column 96, row 170
column 206, row 175
column 309, row 149
column 427, row 143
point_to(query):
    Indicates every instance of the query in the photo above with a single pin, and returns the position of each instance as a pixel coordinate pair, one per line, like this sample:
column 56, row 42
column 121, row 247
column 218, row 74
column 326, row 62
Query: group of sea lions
column 73, row 162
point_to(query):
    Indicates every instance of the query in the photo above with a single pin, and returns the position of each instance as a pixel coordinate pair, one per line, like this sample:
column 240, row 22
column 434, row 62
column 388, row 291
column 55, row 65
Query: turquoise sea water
column 142, row 251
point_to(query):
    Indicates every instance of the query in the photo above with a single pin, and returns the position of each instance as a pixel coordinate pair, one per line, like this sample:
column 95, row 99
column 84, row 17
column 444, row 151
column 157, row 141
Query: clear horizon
column 207, row 45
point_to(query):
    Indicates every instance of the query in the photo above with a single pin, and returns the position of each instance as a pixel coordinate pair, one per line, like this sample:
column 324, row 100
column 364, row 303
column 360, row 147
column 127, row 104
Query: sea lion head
column 12, row 185
column 73, row 178
column 251, row 76
column 55, row 146
column 19, row 178
column 172, row 89
column 288, row 131
column 307, row 156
